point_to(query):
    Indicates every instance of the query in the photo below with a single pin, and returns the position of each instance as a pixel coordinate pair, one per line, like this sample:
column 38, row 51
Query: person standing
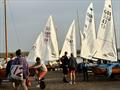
column 65, row 63
column 9, row 64
column 8, row 67
column 85, row 70
column 72, row 68
column 22, row 61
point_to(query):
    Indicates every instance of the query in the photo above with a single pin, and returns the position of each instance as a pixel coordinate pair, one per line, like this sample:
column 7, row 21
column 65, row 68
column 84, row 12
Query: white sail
column 81, row 39
column 54, row 41
column 89, row 34
column 106, row 40
column 50, row 49
column 70, row 41
column 36, row 49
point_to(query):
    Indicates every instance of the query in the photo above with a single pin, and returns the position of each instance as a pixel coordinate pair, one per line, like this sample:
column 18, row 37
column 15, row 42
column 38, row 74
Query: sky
column 27, row 18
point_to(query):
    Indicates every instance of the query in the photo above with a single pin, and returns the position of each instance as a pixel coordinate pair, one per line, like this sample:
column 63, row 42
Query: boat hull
column 2, row 73
column 100, row 71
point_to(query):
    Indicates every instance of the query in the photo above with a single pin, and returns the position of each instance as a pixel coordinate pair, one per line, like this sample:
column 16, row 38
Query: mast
column 79, row 28
column 78, row 21
column 6, row 36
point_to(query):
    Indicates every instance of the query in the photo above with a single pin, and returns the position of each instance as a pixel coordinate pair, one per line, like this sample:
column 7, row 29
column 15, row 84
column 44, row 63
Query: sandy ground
column 54, row 82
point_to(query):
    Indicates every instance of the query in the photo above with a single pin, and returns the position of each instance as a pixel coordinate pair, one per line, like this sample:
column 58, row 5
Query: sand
column 54, row 81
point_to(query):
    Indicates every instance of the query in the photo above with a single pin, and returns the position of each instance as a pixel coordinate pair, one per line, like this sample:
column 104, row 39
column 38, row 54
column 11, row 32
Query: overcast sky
column 27, row 18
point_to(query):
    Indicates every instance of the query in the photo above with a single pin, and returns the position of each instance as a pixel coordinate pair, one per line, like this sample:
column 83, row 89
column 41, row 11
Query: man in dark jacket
column 65, row 63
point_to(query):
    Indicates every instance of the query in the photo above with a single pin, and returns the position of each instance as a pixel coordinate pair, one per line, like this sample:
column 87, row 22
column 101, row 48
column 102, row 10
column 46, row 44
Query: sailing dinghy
column 88, row 36
column 46, row 46
column 106, row 43
column 36, row 49
column 106, row 39
column 70, row 42
column 50, row 52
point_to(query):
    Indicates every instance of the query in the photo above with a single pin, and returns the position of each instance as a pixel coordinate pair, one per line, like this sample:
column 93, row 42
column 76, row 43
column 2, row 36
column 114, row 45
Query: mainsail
column 70, row 41
column 50, row 49
column 36, row 49
column 88, row 36
column 106, row 39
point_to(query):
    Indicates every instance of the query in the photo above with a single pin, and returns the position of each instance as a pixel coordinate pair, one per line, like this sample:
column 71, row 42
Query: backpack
column 72, row 63
column 16, row 71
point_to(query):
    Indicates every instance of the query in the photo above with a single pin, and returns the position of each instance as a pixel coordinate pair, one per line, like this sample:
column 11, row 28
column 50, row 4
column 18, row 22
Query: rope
column 14, row 25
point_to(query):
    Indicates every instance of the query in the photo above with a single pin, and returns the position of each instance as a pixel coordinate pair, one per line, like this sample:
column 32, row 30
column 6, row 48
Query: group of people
column 69, row 66
column 39, row 68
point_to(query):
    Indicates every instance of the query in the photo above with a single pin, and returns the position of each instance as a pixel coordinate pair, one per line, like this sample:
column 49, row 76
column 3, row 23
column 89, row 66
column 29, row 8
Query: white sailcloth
column 36, row 49
column 70, row 41
column 50, row 49
column 89, row 34
column 54, row 40
column 106, row 40
column 81, row 39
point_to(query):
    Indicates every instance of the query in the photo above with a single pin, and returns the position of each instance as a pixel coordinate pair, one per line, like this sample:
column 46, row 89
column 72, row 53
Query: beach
column 54, row 81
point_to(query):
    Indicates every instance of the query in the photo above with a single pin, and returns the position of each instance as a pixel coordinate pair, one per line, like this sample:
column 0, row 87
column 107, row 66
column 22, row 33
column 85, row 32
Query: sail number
column 90, row 17
column 47, row 33
column 106, row 18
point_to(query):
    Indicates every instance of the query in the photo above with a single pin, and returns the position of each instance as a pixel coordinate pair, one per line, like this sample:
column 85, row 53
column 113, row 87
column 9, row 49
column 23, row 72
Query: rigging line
column 115, row 34
column 1, row 28
column 118, row 23
column 14, row 25
column 1, row 37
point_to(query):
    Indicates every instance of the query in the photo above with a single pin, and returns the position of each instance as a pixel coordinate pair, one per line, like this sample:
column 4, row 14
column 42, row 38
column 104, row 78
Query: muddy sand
column 54, row 82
